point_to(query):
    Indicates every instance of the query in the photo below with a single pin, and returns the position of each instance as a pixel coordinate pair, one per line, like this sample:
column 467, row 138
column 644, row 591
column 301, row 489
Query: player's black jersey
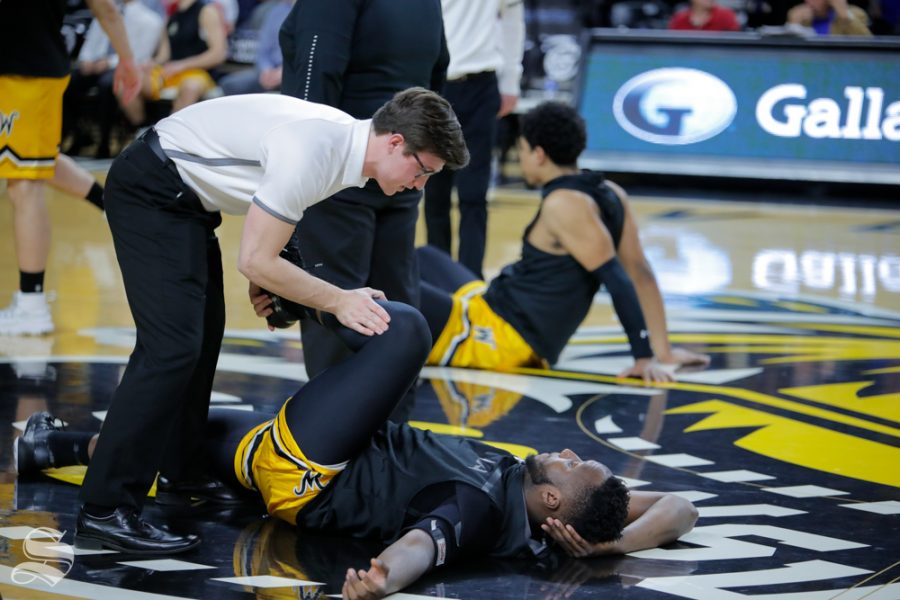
column 376, row 494
column 545, row 297
column 30, row 40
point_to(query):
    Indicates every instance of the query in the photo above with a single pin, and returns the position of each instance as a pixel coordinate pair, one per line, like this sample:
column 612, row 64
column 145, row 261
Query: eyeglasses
column 424, row 170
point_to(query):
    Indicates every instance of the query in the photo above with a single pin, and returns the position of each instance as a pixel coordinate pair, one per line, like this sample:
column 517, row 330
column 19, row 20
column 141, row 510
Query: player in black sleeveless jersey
column 329, row 461
column 583, row 235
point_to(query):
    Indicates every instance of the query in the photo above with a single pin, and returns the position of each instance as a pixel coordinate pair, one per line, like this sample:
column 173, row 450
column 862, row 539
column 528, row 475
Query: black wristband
column 628, row 307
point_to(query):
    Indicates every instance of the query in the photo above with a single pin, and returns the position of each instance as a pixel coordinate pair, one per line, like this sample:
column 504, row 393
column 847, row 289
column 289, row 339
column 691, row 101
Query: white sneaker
column 29, row 314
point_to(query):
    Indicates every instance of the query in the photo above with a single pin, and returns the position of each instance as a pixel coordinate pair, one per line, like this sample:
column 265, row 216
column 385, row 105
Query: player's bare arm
column 399, row 565
column 635, row 263
column 573, row 219
column 262, row 240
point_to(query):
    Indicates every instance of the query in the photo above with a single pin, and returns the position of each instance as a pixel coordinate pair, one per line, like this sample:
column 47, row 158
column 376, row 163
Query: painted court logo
column 674, row 106
column 50, row 560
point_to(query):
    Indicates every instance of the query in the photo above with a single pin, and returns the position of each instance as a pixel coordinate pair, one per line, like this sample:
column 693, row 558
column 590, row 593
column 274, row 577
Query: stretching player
column 583, row 235
column 433, row 498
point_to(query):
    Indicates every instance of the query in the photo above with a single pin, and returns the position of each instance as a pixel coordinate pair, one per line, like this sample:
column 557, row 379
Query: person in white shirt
column 486, row 42
column 267, row 156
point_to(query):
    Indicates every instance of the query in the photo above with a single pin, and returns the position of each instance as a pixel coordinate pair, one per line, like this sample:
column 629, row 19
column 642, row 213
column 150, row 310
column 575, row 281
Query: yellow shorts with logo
column 158, row 82
column 269, row 460
column 475, row 336
column 30, row 125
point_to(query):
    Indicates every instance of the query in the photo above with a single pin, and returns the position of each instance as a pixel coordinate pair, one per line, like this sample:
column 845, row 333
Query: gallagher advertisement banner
column 829, row 112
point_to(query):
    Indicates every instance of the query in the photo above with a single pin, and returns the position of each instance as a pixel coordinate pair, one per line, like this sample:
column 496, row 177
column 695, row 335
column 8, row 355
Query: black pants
column 334, row 416
column 441, row 276
column 358, row 238
column 172, row 270
column 476, row 101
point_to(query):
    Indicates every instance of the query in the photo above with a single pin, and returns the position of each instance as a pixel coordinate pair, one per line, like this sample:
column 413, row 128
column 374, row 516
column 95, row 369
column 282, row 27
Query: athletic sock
column 95, row 196
column 31, row 283
column 69, row 447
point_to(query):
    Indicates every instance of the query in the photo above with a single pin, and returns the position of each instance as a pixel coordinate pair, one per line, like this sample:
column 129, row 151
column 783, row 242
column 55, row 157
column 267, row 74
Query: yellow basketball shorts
column 158, row 82
column 475, row 336
column 269, row 460
column 30, row 125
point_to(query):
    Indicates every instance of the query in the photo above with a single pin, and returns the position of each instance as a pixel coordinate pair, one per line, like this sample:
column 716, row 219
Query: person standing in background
column 95, row 67
column 265, row 75
column 34, row 72
column 486, row 42
column 354, row 55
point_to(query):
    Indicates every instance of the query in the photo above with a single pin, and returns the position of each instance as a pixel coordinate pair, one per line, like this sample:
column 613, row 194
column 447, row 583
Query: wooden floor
column 789, row 443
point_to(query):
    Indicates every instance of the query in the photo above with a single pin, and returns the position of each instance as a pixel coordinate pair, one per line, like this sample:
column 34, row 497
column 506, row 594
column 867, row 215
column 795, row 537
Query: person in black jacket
column 354, row 55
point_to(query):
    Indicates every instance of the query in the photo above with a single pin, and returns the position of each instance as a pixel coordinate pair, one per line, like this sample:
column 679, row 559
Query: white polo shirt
column 486, row 35
column 279, row 152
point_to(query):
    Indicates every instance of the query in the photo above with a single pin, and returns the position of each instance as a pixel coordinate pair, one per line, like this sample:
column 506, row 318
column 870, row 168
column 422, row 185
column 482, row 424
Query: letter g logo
column 674, row 106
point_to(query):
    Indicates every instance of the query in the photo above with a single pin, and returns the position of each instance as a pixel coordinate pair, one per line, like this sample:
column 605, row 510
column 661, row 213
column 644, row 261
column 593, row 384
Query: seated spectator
column 704, row 15
column 193, row 45
column 830, row 17
column 95, row 67
column 885, row 17
column 266, row 74
column 229, row 11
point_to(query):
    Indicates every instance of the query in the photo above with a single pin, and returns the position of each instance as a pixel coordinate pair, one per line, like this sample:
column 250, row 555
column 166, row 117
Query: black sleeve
column 628, row 307
column 316, row 41
column 439, row 73
column 464, row 525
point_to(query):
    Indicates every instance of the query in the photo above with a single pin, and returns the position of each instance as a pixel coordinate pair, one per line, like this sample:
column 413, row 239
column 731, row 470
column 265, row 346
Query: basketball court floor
column 788, row 443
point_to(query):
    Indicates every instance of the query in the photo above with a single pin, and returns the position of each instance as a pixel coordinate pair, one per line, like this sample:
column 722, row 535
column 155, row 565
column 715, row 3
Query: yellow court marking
column 800, row 307
column 736, row 301
column 75, row 476
column 846, row 395
column 799, row 443
column 514, row 449
column 717, row 390
column 446, row 429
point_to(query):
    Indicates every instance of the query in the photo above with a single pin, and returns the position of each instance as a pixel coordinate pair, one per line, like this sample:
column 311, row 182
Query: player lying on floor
column 329, row 461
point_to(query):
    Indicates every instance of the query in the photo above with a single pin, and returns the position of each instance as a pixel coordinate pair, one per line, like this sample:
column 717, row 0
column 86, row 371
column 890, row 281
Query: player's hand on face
column 573, row 544
column 366, row 585
column 648, row 369
column 358, row 311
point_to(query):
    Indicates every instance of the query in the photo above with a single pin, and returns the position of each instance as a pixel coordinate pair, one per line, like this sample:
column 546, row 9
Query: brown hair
column 427, row 123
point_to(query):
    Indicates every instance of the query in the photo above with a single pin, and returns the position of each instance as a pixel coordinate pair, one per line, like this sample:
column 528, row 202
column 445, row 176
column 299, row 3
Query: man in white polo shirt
column 269, row 157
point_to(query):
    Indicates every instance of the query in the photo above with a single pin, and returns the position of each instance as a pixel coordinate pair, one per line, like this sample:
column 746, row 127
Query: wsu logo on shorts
column 674, row 106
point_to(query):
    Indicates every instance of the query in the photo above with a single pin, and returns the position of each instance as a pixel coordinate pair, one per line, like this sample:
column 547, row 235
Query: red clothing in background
column 721, row 19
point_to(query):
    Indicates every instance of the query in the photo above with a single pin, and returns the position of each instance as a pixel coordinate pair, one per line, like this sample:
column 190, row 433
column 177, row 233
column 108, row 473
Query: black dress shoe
column 125, row 531
column 32, row 449
column 184, row 493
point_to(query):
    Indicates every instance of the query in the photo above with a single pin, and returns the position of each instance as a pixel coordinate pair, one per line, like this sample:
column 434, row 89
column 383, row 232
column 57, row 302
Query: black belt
column 151, row 139
column 472, row 76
